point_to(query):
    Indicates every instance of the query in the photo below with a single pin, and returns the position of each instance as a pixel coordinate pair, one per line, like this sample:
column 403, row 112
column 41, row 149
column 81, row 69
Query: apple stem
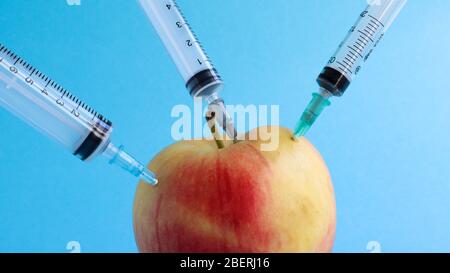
column 211, row 119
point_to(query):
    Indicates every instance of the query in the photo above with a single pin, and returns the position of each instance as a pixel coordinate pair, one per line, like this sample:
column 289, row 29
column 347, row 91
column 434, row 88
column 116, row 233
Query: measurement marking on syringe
column 60, row 100
column 371, row 30
column 350, row 61
column 183, row 24
column 74, row 131
column 372, row 33
column 345, row 67
column 348, row 65
column 376, row 20
column 359, row 50
column 342, row 70
column 355, row 51
column 363, row 40
column 375, row 23
column 365, row 35
column 368, row 33
column 360, row 46
column 374, row 27
column 352, row 57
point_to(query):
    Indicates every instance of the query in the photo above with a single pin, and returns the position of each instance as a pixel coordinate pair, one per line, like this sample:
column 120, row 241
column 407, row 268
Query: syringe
column 51, row 109
column 200, row 76
column 352, row 53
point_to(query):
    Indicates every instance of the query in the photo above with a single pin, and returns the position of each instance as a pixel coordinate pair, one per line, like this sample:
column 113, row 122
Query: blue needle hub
column 309, row 116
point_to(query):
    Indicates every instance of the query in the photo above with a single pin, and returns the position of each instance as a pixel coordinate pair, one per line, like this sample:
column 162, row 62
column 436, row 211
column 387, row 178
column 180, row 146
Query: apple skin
column 237, row 199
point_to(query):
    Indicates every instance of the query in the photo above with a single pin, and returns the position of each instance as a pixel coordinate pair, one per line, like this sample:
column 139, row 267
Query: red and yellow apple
column 237, row 199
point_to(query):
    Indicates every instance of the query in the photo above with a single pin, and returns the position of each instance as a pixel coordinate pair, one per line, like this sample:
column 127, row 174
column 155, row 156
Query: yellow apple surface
column 237, row 199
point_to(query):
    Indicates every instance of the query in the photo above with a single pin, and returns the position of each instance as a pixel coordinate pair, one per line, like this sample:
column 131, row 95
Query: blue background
column 386, row 142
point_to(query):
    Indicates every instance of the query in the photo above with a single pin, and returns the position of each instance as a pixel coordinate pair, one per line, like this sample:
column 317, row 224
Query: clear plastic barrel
column 52, row 110
column 180, row 41
column 43, row 104
column 364, row 36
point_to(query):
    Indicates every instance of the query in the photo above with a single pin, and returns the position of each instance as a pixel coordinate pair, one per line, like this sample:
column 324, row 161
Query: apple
column 237, row 199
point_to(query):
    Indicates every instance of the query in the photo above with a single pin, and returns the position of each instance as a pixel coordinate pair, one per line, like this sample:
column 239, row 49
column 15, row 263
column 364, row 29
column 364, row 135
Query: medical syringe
column 51, row 109
column 200, row 76
column 352, row 53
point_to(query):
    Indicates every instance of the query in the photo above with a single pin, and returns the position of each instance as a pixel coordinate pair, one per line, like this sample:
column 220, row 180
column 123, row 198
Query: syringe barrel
column 358, row 45
column 49, row 108
column 200, row 76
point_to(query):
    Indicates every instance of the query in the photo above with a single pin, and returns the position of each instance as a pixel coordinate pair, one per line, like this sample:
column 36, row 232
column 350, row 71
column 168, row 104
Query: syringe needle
column 31, row 96
column 201, row 78
column 223, row 118
column 352, row 53
column 119, row 157
column 312, row 111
